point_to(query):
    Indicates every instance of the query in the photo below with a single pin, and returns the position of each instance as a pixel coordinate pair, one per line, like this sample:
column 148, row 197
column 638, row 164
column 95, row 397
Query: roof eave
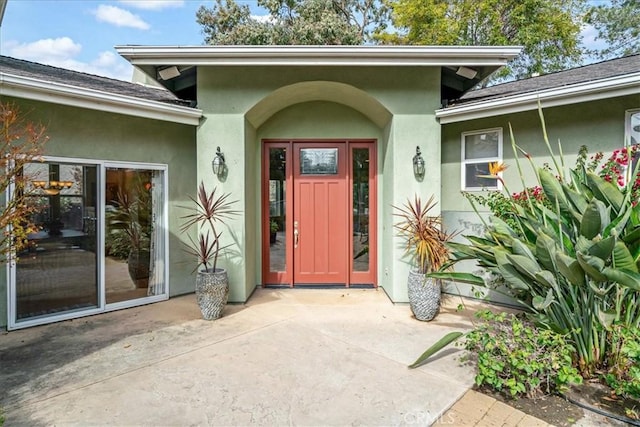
column 319, row 55
column 583, row 92
column 58, row 93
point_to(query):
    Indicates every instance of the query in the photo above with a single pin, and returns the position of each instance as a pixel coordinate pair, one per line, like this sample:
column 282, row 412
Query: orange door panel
column 320, row 217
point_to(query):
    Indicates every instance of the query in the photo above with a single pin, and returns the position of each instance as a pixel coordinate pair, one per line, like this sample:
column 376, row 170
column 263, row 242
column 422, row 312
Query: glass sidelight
column 360, row 203
column 277, row 209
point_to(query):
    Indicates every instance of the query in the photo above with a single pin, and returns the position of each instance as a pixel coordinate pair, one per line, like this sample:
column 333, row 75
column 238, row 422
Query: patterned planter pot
column 424, row 296
column 212, row 292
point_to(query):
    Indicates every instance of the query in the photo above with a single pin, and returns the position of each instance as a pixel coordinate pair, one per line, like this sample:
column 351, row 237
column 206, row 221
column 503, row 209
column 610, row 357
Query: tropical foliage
column 21, row 142
column 574, row 266
column 209, row 208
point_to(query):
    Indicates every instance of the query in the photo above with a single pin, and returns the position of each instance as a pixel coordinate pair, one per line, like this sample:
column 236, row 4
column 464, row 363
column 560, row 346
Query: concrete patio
column 287, row 357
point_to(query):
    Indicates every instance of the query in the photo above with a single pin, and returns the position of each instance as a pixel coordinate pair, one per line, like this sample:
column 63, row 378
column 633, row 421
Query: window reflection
column 277, row 209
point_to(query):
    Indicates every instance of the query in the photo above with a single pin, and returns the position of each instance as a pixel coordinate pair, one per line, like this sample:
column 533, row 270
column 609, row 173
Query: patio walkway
column 287, row 357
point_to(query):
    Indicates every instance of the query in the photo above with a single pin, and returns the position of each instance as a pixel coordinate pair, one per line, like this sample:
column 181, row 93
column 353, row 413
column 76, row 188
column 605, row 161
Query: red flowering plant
column 618, row 169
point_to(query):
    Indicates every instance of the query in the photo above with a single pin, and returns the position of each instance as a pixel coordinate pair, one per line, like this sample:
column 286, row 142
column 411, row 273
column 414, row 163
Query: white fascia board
column 58, row 93
column 320, row 55
column 582, row 92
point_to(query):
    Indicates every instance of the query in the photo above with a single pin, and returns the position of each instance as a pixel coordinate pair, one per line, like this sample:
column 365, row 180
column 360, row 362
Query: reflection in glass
column 277, row 209
column 360, row 173
column 58, row 271
column 318, row 161
column 132, row 204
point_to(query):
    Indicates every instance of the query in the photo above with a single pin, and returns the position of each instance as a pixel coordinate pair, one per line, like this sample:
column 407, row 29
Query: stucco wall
column 397, row 104
column 598, row 124
column 88, row 134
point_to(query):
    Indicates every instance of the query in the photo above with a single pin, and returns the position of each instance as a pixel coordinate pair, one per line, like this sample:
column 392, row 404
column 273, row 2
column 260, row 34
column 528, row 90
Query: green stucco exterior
column 87, row 134
column 244, row 105
column 600, row 125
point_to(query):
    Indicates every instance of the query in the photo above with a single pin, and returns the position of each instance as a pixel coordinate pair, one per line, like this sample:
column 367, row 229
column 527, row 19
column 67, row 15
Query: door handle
column 296, row 234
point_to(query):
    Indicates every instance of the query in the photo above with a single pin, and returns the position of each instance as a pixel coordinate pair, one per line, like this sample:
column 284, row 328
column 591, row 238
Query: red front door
column 320, row 213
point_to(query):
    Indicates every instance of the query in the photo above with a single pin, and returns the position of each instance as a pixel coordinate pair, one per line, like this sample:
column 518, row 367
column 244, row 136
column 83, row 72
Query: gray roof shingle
column 34, row 70
column 601, row 70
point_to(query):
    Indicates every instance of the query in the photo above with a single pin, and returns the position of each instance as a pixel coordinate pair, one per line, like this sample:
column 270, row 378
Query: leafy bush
column 515, row 356
column 624, row 364
column 574, row 266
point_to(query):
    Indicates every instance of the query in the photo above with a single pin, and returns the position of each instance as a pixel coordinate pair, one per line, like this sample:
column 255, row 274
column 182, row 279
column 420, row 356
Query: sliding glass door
column 100, row 242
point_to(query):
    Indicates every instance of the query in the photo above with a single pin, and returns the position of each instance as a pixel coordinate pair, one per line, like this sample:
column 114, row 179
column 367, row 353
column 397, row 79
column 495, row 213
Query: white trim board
column 320, row 55
column 58, row 93
column 582, row 92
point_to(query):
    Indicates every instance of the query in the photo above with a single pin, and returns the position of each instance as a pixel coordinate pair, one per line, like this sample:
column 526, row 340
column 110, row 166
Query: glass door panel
column 277, row 209
column 58, row 272
column 360, row 244
column 133, row 237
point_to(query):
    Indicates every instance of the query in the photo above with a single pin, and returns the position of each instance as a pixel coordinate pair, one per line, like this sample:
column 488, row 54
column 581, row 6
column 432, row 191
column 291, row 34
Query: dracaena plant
column 423, row 234
column 209, row 210
column 575, row 265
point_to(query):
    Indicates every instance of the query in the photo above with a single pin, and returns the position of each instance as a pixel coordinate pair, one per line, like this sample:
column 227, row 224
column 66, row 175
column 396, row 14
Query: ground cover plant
column 567, row 248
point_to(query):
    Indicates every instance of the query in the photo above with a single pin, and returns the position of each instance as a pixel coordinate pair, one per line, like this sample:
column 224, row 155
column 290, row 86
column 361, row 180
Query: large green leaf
column 546, row 251
column 520, row 248
column 592, row 219
column 626, row 278
column 524, row 265
column 442, row 343
column 458, row 277
column 502, row 227
column 602, row 248
column 592, row 265
column 510, row 274
column 570, row 268
column 579, row 201
column 540, row 303
column 632, row 236
column 622, row 258
column 546, row 278
column 605, row 191
column 553, row 189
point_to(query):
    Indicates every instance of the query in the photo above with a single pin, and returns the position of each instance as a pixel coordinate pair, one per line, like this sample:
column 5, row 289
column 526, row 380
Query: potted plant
column 212, row 283
column 273, row 231
column 426, row 244
column 129, row 226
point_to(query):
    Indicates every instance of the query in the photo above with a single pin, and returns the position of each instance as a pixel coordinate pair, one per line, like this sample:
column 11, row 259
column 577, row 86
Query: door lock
column 296, row 234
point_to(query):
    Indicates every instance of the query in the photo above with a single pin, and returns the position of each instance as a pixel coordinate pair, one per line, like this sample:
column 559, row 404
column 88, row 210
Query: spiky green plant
column 575, row 266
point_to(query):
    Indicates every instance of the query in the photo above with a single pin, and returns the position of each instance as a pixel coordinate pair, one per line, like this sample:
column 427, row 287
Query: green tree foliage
column 293, row 22
column 548, row 30
column 618, row 24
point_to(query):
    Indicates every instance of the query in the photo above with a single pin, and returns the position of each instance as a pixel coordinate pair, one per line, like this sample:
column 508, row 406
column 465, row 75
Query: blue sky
column 80, row 34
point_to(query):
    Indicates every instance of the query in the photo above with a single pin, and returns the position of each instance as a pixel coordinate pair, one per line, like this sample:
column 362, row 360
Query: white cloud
column 153, row 4
column 119, row 17
column 61, row 52
column 44, row 49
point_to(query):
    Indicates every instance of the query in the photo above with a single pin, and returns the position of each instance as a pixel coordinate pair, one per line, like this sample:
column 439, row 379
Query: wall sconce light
column 418, row 164
column 218, row 164
column 52, row 188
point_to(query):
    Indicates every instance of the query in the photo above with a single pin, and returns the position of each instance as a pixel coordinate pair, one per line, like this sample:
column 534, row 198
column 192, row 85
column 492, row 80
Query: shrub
column 575, row 265
column 515, row 356
column 623, row 375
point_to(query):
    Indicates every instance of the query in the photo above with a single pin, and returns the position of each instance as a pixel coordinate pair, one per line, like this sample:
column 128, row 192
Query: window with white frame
column 632, row 132
column 479, row 150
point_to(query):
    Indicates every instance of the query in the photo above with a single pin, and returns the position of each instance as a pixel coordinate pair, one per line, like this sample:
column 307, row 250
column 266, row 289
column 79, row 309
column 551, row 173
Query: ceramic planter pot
column 212, row 292
column 138, row 265
column 424, row 296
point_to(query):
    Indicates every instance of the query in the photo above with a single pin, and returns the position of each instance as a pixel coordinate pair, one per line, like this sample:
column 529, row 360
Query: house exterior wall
column 600, row 125
column 243, row 105
column 87, row 134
